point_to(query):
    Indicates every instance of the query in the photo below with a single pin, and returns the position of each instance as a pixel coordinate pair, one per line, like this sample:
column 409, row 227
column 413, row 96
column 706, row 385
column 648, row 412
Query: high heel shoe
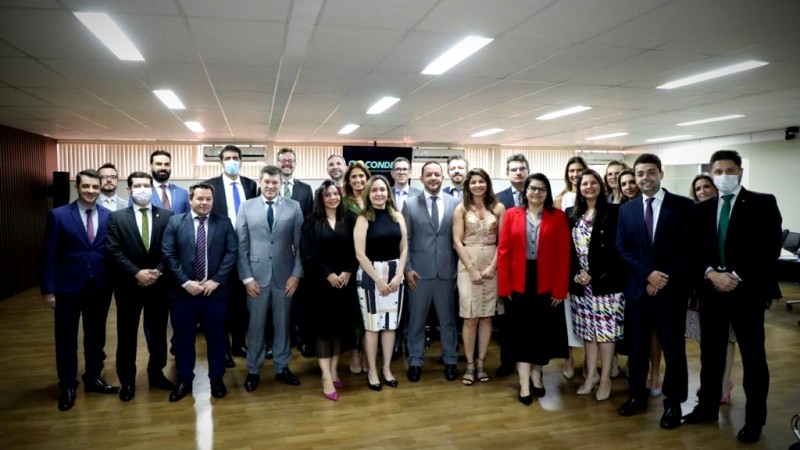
column 538, row 392
column 587, row 388
column 726, row 396
column 338, row 384
column 603, row 394
column 527, row 399
column 332, row 396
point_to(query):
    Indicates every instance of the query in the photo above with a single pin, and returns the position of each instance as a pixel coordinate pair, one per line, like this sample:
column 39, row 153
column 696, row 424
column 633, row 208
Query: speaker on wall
column 791, row 133
column 61, row 188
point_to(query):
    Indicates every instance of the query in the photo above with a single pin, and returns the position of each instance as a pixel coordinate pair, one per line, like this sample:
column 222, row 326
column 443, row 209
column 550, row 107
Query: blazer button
column 271, row 242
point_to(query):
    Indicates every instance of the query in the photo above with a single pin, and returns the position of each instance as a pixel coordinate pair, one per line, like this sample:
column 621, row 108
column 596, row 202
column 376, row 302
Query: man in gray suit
column 108, row 188
column 269, row 229
column 401, row 172
column 431, row 270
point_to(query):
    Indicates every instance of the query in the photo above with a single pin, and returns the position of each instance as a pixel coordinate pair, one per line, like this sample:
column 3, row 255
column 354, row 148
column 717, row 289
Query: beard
column 161, row 176
column 108, row 190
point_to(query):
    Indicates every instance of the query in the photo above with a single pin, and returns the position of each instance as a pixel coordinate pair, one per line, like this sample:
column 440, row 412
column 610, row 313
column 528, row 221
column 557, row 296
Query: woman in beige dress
column 476, row 223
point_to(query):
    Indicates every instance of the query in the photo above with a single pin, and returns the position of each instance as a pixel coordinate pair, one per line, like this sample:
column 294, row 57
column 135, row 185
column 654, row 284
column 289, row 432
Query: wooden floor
column 433, row 413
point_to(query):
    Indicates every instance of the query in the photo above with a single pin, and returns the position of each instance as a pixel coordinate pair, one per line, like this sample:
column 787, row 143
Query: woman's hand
column 475, row 276
column 395, row 282
column 555, row 301
column 584, row 278
column 383, row 288
column 488, row 273
column 334, row 280
column 344, row 278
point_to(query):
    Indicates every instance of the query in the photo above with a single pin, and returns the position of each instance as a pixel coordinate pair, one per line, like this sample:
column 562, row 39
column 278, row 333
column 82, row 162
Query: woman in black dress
column 329, row 261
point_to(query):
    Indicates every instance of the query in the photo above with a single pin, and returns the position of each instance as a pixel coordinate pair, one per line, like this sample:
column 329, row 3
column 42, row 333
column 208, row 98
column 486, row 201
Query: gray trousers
column 271, row 297
column 442, row 294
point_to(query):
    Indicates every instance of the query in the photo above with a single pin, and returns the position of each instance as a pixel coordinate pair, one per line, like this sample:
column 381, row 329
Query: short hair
column 139, row 175
column 571, row 161
column 730, row 155
column 230, row 148
column 160, row 152
column 456, row 158
column 334, row 155
column 346, row 188
column 269, row 169
column 108, row 165
column 401, row 159
column 200, row 186
column 698, row 177
column 489, row 199
column 88, row 173
column 517, row 157
column 285, row 150
column 424, row 166
column 369, row 211
column 647, row 158
column 548, row 201
column 581, row 205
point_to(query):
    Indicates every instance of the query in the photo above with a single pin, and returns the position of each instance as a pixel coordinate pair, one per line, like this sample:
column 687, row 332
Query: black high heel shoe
column 538, row 392
column 528, row 399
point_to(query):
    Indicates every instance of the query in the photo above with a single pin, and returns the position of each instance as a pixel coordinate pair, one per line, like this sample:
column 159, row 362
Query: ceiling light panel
column 194, row 126
column 169, row 99
column 110, row 34
column 710, row 120
column 670, row 138
column 456, row 54
column 721, row 72
column 349, row 128
column 563, row 112
column 382, row 105
column 606, row 136
column 488, row 132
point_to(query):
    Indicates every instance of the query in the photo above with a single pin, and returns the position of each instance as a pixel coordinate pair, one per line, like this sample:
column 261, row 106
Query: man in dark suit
column 75, row 275
column 133, row 247
column 740, row 243
column 653, row 240
column 401, row 173
column 166, row 195
column 517, row 170
column 200, row 251
column 457, row 168
column 232, row 190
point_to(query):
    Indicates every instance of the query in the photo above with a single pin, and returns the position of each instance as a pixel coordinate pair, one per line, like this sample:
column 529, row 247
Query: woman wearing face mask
column 703, row 189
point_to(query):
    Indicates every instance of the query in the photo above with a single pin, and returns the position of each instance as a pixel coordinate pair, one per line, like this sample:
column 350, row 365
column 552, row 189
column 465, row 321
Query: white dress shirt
column 228, row 183
column 657, row 202
column 439, row 204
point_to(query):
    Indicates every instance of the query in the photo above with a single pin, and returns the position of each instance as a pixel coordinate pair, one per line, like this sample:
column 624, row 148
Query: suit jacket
column 220, row 205
column 449, row 191
column 178, row 247
column 302, row 194
column 179, row 199
column 606, row 267
column 430, row 252
column 670, row 252
column 752, row 244
column 125, row 250
column 506, row 197
column 412, row 191
column 118, row 201
column 269, row 256
column 69, row 259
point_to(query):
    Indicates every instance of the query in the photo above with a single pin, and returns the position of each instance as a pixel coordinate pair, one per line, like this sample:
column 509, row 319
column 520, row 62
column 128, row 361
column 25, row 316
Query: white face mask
column 141, row 195
column 726, row 183
column 231, row 167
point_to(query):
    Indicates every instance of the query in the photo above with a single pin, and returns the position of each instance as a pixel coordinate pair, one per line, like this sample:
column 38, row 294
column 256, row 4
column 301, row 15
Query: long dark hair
column 489, row 199
column 548, row 201
column 581, row 205
column 346, row 187
column 622, row 198
column 571, row 161
column 320, row 216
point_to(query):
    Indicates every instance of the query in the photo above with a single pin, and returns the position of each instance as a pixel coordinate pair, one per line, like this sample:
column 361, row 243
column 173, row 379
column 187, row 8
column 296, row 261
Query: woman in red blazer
column 533, row 257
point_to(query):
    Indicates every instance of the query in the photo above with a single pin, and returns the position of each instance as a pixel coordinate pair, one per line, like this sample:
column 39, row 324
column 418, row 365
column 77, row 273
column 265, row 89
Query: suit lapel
column 663, row 217
column 76, row 216
column 222, row 195
column 280, row 205
column 423, row 204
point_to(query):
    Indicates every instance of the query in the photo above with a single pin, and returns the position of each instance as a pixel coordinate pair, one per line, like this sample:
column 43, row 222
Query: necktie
column 286, row 192
column 200, row 250
column 164, row 199
column 90, row 225
column 145, row 229
column 648, row 218
column 517, row 198
column 110, row 204
column 236, row 199
column 270, row 215
column 434, row 213
column 722, row 228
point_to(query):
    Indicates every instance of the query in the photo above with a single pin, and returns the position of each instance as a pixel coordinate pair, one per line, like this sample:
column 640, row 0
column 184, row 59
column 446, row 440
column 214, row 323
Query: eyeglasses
column 537, row 189
column 400, row 170
column 518, row 169
column 286, row 161
column 109, row 177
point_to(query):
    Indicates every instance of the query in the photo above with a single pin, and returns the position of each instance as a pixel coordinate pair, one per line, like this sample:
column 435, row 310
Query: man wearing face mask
column 741, row 241
column 236, row 190
column 133, row 247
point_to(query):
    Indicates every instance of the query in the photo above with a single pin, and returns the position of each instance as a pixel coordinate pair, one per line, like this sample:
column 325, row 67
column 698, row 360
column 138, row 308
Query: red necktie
column 164, row 199
column 90, row 225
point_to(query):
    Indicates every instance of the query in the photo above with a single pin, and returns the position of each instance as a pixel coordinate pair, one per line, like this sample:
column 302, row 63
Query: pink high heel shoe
column 726, row 396
column 338, row 384
column 332, row 396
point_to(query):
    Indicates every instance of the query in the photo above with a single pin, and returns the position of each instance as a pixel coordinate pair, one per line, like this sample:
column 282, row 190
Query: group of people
column 611, row 264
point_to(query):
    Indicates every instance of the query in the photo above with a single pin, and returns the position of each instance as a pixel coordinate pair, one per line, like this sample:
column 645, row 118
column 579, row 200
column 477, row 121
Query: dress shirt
column 532, row 228
column 400, row 196
column 439, row 204
column 276, row 203
column 95, row 216
column 157, row 187
column 228, row 183
column 291, row 186
column 109, row 203
column 657, row 202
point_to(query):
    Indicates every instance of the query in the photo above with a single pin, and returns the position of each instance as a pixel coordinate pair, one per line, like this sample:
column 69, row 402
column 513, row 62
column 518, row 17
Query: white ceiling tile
column 638, row 66
column 393, row 15
column 159, row 39
column 242, row 78
column 238, row 9
column 255, row 44
column 26, row 72
column 574, row 61
column 20, row 97
column 451, row 87
column 122, row 6
column 68, row 98
column 337, row 82
column 98, row 74
column 65, row 36
column 476, row 17
column 178, row 77
column 349, row 48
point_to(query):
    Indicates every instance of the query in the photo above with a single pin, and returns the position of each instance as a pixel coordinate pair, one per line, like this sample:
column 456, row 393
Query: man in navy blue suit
column 653, row 238
column 166, row 195
column 740, row 243
column 200, row 250
column 75, row 284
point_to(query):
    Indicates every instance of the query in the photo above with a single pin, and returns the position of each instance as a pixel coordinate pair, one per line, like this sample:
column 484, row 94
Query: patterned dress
column 480, row 241
column 597, row 318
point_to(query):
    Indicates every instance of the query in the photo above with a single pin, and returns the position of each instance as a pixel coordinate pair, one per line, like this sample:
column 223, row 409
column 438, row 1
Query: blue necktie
column 722, row 228
column 270, row 215
column 236, row 199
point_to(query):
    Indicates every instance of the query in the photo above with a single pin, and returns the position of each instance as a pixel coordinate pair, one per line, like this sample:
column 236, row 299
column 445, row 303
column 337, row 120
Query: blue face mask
column 231, row 167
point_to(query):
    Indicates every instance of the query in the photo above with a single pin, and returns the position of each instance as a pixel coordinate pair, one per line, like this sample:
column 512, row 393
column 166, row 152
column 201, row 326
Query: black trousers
column 238, row 318
column 745, row 313
column 92, row 303
column 666, row 314
column 130, row 303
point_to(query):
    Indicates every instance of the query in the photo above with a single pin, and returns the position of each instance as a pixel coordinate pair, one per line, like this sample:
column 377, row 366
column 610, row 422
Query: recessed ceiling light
column 382, row 105
column 349, row 128
column 721, row 72
column 712, row 119
column 669, row 138
column 606, row 136
column 169, row 98
column 110, row 34
column 487, row 132
column 563, row 112
column 194, row 126
column 456, row 54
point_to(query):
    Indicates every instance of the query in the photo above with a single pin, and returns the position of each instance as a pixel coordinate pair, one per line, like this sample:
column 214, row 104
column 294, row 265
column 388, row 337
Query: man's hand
column 651, row 290
column 411, row 278
column 49, row 301
column 291, row 286
column 252, row 288
column 658, row 279
column 723, row 281
column 194, row 288
column 146, row 277
column 209, row 286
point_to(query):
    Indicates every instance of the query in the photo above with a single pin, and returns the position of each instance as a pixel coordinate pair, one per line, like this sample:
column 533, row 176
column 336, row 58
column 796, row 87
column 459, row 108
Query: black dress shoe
column 450, row 372
column 306, row 350
column 229, row 363
column 749, row 434
column 671, row 417
column 127, row 392
column 99, row 385
column 159, row 381
column 701, row 414
column 268, row 353
column 240, row 351
column 390, row 383
column 251, row 382
column 67, row 399
column 528, row 399
column 632, row 406
column 414, row 373
column 218, row 389
column 505, row 370
column 288, row 377
column 180, row 391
